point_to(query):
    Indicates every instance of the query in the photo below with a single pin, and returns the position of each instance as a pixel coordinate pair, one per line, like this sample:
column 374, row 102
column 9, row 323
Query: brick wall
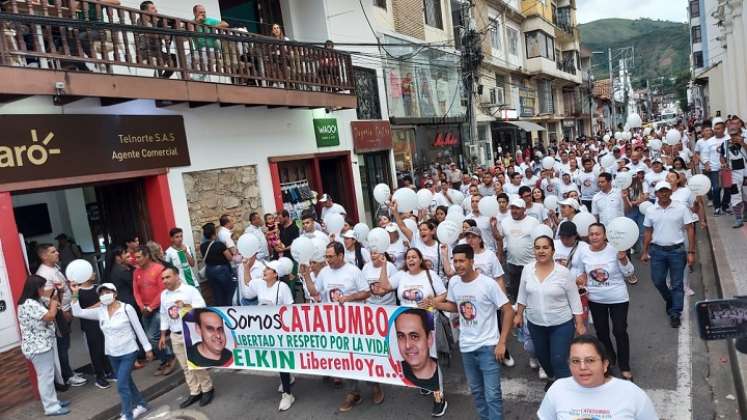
column 409, row 18
column 15, row 382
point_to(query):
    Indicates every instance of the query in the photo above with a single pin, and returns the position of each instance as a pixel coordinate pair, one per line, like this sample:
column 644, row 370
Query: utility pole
column 472, row 56
column 613, row 126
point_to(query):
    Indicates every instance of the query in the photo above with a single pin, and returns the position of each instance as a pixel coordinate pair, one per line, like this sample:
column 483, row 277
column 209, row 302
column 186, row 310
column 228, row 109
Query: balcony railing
column 124, row 41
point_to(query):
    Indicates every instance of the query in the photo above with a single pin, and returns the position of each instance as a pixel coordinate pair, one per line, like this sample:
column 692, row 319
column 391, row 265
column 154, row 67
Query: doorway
column 375, row 170
column 333, row 175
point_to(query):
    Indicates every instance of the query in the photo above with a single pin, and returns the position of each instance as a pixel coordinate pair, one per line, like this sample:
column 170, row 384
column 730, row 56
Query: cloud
column 589, row 10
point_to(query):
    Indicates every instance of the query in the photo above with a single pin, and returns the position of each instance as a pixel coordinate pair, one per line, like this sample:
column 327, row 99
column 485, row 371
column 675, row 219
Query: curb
column 152, row 392
column 728, row 289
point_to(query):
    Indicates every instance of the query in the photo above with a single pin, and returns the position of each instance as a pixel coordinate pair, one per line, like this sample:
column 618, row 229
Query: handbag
column 203, row 271
column 442, row 327
column 726, row 177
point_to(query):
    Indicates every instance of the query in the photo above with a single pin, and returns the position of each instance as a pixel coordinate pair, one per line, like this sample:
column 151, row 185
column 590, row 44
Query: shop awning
column 527, row 125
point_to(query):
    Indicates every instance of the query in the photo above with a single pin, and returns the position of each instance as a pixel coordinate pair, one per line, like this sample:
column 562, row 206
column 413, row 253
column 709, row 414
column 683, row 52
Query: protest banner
column 386, row 344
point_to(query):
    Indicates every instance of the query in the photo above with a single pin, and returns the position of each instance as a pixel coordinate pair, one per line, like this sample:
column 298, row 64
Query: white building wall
column 178, row 8
column 306, row 21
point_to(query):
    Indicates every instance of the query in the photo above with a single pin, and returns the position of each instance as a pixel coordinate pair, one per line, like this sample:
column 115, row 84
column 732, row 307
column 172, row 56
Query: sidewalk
column 90, row 403
column 728, row 247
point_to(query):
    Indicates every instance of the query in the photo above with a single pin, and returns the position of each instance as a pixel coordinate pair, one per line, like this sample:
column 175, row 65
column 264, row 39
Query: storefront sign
column 446, row 139
column 326, row 132
column 37, row 147
column 355, row 341
column 371, row 136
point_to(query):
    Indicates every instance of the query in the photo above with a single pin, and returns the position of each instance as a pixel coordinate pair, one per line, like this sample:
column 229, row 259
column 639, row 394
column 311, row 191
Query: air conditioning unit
column 486, row 96
column 493, row 97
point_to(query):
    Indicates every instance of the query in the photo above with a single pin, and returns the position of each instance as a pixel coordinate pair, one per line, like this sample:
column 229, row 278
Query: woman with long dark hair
column 637, row 193
column 36, row 322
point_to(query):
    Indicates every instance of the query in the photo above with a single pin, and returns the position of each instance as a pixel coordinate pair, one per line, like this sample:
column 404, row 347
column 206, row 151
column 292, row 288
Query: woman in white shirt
column 424, row 240
column 122, row 331
column 549, row 296
column 592, row 389
column 604, row 272
column 355, row 253
column 372, row 273
column 637, row 193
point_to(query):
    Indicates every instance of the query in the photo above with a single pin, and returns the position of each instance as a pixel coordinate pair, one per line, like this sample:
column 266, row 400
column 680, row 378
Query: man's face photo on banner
column 207, row 343
column 416, row 347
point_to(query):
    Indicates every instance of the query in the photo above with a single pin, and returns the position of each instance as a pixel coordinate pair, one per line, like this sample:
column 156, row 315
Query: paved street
column 684, row 378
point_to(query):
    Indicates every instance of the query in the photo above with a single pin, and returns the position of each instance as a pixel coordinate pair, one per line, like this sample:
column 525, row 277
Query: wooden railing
column 119, row 40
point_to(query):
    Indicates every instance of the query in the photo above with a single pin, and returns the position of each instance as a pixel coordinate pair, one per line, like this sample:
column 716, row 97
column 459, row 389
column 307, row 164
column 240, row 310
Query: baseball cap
column 661, row 185
column 276, row 267
column 569, row 202
column 657, row 160
column 349, row 234
column 324, row 198
column 473, row 230
column 717, row 120
column 517, row 202
column 107, row 286
column 567, row 229
column 391, row 228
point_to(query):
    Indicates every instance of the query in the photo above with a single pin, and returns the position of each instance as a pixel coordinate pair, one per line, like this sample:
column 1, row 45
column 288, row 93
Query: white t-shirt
column 343, row 281
column 372, row 275
column 614, row 400
column 668, row 223
column 711, row 153
column 652, row 178
column 477, row 301
column 587, row 182
column 486, row 262
column 350, row 256
column 517, row 235
column 413, row 289
column 608, row 206
column 170, row 318
column 511, row 189
column 440, row 198
column 566, row 188
column 396, row 251
column 551, row 186
column 278, row 294
column 430, row 253
column 483, row 223
column 335, row 209
column 224, row 235
column 538, row 211
column 562, row 253
column 606, row 276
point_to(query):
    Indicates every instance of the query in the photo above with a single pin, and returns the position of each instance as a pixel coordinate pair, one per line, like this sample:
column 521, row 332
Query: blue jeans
column 126, row 388
column 552, row 346
column 671, row 262
column 222, row 284
column 715, row 188
column 63, row 346
column 635, row 215
column 484, row 377
column 152, row 327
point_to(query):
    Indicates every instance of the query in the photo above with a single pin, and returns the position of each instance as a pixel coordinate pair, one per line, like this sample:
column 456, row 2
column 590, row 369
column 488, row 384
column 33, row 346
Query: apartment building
column 706, row 54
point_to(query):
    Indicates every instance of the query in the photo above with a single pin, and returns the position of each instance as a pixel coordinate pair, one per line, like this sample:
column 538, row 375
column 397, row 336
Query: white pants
column 44, row 365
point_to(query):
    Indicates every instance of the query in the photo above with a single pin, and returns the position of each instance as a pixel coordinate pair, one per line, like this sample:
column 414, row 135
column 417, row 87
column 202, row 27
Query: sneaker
column 139, row 411
column 351, row 400
column 425, row 392
column 286, row 401
column 737, row 225
column 111, row 377
column 675, row 322
column 728, row 211
column 280, row 387
column 61, row 412
column 102, row 383
column 508, row 361
column 533, row 363
column 709, row 203
column 717, row 213
column 542, row 374
column 439, row 408
column 64, row 403
column 76, row 380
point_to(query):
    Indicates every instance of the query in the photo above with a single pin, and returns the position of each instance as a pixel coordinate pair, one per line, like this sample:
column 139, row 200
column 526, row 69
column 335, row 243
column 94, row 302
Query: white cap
column 108, row 286
column 518, row 202
column 324, row 198
column 276, row 267
column 717, row 120
column 349, row 234
column 661, row 185
column 391, row 228
column 569, row 202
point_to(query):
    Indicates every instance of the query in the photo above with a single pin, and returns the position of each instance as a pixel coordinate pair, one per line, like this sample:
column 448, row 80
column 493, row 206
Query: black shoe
column 61, row 388
column 190, row 400
column 102, row 383
column 424, row 391
column 439, row 408
column 207, row 397
column 669, row 306
column 674, row 322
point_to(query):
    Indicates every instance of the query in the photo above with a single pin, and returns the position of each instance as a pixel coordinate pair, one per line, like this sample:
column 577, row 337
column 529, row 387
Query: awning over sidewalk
column 527, row 125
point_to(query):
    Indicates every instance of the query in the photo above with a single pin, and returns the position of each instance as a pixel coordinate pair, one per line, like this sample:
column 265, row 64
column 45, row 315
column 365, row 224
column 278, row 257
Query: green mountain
column 662, row 48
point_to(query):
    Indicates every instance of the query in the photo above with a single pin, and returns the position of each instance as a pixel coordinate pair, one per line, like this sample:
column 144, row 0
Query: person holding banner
column 477, row 298
column 269, row 290
column 176, row 298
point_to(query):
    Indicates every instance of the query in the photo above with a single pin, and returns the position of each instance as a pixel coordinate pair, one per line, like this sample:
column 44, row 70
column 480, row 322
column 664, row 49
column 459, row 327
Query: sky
column 673, row 10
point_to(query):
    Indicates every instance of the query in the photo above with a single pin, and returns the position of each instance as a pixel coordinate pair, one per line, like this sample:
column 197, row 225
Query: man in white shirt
column 330, row 207
column 178, row 298
column 608, row 203
column 484, row 223
column 566, row 185
column 255, row 228
column 530, row 179
column 587, row 182
column 516, row 233
column 180, row 256
column 454, row 176
column 550, row 184
column 482, row 342
column 636, row 164
column 512, row 187
column 308, row 226
column 656, row 174
column 486, row 188
column 664, row 246
column 711, row 158
column 445, row 195
column 225, row 233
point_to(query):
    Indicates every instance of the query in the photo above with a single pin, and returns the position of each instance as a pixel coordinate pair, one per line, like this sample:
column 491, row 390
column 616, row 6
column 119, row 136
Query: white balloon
column 627, row 136
column 381, row 193
column 455, row 214
column 361, row 232
column 607, row 161
column 606, row 138
column 618, row 135
column 334, row 223
column 644, row 207
column 247, row 245
column 548, row 162
column 407, row 200
column 378, row 240
column 79, row 271
column 411, row 224
column 448, row 231
column 456, row 196
column 622, row 233
column 654, row 144
column 647, row 131
column 551, row 202
column 425, row 197
column 455, row 208
column 320, row 248
column 623, row 180
column 541, row 230
column 285, row 266
column 634, row 120
column 488, row 206
column 302, row 249
column 673, row 137
column 699, row 184
column 583, row 221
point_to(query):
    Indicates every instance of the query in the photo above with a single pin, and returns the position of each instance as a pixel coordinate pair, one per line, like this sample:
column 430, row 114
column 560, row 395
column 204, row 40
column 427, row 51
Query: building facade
column 706, row 55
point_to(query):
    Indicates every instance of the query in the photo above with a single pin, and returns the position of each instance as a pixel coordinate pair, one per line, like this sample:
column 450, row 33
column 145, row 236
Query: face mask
column 106, row 299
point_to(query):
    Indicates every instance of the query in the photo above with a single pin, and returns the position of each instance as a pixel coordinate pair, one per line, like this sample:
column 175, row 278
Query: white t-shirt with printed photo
column 487, row 263
column 372, row 275
column 411, row 290
column 342, row 281
column 477, row 302
column 278, row 294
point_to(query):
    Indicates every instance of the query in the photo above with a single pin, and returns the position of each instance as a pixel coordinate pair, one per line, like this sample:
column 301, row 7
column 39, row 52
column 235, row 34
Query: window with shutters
column 367, row 93
column 433, row 16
